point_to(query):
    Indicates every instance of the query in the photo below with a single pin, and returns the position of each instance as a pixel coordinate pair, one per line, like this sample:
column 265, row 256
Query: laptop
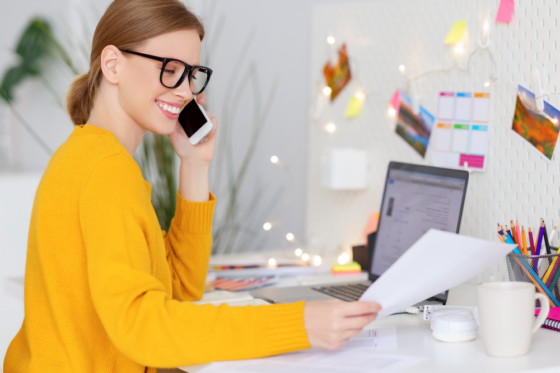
column 416, row 198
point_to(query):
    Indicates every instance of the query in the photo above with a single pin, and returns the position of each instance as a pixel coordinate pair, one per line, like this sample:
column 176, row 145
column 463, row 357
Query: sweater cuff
column 285, row 328
column 194, row 217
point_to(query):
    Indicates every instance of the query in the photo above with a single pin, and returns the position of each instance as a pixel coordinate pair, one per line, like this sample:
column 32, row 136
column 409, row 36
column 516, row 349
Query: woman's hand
column 331, row 323
column 202, row 152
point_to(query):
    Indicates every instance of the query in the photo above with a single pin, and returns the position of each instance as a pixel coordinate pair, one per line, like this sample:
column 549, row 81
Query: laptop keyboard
column 348, row 293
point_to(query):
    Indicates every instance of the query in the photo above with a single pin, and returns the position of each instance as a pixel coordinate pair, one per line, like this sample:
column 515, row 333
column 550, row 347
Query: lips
column 170, row 110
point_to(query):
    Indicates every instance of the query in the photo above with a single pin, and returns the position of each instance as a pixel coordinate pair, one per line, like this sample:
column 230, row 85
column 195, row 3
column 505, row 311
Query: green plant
column 36, row 46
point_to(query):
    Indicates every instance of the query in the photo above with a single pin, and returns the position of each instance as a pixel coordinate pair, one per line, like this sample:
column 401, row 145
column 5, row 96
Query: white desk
column 414, row 338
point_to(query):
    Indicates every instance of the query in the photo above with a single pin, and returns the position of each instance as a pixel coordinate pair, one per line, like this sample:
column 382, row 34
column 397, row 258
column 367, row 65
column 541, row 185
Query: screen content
column 191, row 118
column 414, row 203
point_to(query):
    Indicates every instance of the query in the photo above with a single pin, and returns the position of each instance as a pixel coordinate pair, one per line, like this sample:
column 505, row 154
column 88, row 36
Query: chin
column 166, row 128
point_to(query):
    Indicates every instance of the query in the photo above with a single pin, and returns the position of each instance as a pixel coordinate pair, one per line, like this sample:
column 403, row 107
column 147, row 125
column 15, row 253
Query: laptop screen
column 413, row 203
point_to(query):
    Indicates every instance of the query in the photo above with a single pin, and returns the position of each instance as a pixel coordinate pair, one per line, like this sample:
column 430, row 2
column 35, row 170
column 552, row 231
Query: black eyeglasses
column 174, row 72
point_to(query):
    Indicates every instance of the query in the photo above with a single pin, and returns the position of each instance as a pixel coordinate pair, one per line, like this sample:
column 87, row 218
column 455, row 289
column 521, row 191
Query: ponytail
column 79, row 100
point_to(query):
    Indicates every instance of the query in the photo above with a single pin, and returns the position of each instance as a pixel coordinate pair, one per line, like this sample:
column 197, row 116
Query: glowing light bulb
column 272, row 262
column 485, row 27
column 487, row 84
column 317, row 260
column 343, row 258
column 360, row 95
column 327, row 91
column 392, row 112
column 402, row 69
column 299, row 252
column 555, row 120
column 331, row 40
column 330, row 128
column 305, row 257
column 458, row 48
column 274, row 159
column 290, row 237
column 267, row 226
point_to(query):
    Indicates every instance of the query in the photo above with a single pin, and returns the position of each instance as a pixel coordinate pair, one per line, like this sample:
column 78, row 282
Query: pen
column 546, row 243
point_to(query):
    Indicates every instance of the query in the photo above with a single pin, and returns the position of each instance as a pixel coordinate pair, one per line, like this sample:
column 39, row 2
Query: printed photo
column 538, row 128
column 339, row 75
column 414, row 129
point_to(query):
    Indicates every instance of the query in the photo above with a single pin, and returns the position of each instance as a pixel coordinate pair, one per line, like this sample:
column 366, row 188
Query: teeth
column 169, row 108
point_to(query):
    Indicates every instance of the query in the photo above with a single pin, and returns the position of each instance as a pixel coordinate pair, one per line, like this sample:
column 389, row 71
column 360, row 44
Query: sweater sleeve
column 138, row 316
column 188, row 245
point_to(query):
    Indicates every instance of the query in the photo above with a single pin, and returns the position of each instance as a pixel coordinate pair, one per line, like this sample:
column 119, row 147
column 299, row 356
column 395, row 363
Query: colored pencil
column 515, row 237
column 518, row 232
column 538, row 245
column 536, row 280
column 551, row 272
column 524, row 239
column 501, row 238
column 531, row 242
column 511, row 235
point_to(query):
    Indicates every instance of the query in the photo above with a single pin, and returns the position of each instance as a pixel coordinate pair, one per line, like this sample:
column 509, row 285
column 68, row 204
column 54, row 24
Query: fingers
column 359, row 308
column 201, row 98
column 358, row 322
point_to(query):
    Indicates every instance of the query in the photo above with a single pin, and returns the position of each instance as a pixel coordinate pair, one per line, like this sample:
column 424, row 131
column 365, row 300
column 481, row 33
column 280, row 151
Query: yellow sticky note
column 456, row 32
column 354, row 107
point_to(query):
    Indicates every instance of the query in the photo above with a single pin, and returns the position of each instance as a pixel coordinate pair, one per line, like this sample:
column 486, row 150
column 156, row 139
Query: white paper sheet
column 437, row 262
column 341, row 361
column 383, row 338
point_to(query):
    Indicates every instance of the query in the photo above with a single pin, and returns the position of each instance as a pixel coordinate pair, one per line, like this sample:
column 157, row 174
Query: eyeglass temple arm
column 143, row 55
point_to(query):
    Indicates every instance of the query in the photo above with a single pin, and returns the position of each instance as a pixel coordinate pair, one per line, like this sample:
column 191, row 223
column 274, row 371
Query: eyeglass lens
column 173, row 72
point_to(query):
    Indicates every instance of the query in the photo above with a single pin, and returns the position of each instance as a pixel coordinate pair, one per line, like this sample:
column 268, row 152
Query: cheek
column 138, row 91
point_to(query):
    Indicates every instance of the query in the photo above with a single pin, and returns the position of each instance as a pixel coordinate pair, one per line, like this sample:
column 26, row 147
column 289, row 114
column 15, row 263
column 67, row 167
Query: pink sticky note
column 395, row 101
column 505, row 11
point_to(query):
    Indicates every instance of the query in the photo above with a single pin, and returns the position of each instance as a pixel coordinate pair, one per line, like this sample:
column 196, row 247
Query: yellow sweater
column 106, row 288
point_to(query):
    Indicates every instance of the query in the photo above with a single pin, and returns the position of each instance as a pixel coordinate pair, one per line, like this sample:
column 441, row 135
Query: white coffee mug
column 506, row 312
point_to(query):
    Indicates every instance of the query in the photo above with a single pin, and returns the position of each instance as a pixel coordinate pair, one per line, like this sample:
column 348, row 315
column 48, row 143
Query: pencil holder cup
column 543, row 271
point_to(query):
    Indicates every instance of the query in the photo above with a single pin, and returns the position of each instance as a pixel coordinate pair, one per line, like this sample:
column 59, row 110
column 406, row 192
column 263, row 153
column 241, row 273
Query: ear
column 111, row 58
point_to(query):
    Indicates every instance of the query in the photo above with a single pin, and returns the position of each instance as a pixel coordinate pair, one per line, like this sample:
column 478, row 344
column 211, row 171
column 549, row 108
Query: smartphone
column 195, row 122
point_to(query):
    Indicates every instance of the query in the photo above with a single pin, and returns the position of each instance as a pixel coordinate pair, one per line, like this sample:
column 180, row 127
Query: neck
column 108, row 115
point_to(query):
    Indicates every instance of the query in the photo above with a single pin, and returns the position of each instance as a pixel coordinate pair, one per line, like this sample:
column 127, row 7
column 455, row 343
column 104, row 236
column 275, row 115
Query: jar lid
column 454, row 323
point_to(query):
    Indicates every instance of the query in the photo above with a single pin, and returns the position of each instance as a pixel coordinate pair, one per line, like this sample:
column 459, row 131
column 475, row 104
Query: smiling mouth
column 174, row 110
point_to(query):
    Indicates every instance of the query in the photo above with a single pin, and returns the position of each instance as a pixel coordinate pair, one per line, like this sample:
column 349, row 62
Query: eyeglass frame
column 188, row 69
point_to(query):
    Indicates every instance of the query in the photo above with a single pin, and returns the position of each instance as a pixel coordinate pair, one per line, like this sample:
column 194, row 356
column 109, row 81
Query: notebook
column 553, row 320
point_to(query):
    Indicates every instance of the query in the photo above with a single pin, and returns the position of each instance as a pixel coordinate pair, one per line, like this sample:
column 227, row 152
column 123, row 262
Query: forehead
column 183, row 45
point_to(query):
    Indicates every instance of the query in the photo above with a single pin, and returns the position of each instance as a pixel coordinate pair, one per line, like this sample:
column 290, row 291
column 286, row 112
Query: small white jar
column 454, row 326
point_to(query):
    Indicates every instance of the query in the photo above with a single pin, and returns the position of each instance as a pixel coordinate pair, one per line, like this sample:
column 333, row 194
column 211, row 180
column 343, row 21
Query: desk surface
column 414, row 338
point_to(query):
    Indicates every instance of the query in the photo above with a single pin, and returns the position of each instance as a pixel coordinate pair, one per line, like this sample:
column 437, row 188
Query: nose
column 184, row 90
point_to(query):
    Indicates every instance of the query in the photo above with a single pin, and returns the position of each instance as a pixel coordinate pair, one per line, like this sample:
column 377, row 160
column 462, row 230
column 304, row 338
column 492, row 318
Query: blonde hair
column 125, row 24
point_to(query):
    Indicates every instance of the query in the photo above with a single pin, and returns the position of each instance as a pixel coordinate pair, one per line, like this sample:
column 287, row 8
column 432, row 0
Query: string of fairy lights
column 324, row 92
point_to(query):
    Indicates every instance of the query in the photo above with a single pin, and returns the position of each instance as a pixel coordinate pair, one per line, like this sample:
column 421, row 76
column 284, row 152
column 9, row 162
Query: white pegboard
column 380, row 36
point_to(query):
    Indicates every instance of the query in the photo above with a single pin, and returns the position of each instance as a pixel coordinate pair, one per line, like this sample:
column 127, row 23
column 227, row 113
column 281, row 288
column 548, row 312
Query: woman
column 105, row 289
